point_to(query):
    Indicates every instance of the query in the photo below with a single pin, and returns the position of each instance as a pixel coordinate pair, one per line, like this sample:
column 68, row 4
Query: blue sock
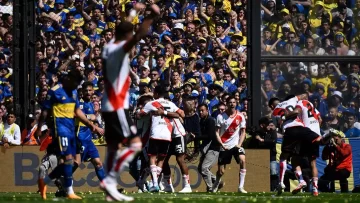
column 57, row 172
column 100, row 173
column 68, row 167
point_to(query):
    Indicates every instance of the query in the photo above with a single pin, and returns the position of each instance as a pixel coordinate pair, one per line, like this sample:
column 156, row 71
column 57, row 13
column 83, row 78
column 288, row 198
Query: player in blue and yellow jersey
column 84, row 134
column 63, row 106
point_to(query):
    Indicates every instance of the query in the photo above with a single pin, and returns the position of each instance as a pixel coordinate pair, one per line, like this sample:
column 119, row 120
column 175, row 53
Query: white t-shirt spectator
column 12, row 133
column 6, row 9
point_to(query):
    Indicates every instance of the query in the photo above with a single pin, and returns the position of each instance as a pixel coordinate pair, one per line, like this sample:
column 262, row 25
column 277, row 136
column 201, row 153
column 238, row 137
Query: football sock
column 299, row 176
column 68, row 165
column 100, row 172
column 315, row 182
column 242, row 178
column 154, row 174
column 57, row 172
column 283, row 167
column 186, row 180
column 75, row 166
column 168, row 179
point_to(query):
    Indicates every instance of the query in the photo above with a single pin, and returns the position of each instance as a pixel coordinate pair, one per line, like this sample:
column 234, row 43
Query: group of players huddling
column 161, row 134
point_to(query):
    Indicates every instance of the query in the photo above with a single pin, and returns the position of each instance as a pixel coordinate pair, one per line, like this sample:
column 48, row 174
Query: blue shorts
column 67, row 145
column 89, row 150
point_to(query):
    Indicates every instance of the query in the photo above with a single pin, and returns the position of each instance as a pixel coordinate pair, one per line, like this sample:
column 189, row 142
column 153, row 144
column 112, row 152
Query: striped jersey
column 116, row 76
column 179, row 129
column 161, row 126
column 309, row 116
column 287, row 106
column 230, row 128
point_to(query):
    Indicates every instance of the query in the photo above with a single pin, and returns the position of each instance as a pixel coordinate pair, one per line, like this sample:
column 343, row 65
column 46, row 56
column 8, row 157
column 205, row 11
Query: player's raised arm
column 144, row 27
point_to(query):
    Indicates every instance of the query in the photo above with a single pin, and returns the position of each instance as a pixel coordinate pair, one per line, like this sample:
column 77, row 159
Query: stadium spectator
column 28, row 134
column 265, row 138
column 339, row 155
column 12, row 133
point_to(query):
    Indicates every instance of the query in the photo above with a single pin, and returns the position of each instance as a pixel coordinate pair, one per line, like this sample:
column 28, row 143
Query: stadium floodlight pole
column 253, row 60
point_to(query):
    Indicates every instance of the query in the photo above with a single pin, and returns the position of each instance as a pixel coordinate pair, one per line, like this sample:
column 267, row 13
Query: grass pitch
column 192, row 198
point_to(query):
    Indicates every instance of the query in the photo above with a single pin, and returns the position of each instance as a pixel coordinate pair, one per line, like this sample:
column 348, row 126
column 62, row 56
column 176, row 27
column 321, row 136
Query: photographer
column 265, row 138
column 340, row 163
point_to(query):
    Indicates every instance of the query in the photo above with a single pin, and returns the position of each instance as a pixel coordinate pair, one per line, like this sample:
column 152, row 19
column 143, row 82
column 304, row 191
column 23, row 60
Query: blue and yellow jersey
column 100, row 27
column 62, row 106
column 84, row 132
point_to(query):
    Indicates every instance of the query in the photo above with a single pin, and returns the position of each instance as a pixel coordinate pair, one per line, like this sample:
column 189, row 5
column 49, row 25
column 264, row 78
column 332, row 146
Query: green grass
column 192, row 198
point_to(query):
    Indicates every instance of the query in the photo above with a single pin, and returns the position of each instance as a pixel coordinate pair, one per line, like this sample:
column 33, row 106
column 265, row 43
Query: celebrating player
column 230, row 133
column 62, row 101
column 295, row 133
column 177, row 148
column 89, row 151
column 161, row 128
column 115, row 105
column 311, row 119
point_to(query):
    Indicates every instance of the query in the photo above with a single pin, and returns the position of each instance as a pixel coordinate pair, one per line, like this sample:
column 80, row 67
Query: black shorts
column 226, row 156
column 118, row 127
column 158, row 147
column 299, row 141
column 177, row 146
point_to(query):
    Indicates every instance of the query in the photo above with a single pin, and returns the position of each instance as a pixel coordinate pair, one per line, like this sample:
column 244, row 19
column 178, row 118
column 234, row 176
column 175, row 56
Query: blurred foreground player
column 119, row 128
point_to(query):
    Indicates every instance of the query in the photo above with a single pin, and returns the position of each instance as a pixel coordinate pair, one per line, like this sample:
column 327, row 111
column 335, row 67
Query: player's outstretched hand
column 100, row 131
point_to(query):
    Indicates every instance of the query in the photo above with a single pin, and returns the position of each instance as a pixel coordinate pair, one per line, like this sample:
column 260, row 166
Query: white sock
column 315, row 182
column 299, row 176
column 154, row 174
column 283, row 166
column 242, row 178
column 186, row 180
column 70, row 190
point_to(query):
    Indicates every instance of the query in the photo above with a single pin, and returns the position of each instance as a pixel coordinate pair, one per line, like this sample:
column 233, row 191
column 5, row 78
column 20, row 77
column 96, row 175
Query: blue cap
column 200, row 62
column 349, row 111
column 209, row 57
column 60, row 1
column 320, row 86
column 355, row 84
column 172, row 15
column 48, row 29
column 307, row 81
column 343, row 77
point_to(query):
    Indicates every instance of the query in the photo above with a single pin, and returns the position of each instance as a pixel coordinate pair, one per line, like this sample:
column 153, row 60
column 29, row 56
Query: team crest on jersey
column 81, row 106
column 48, row 97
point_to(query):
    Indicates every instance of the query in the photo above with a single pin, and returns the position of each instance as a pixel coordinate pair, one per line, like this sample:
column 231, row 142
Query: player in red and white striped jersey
column 290, row 142
column 115, row 103
column 230, row 133
column 298, row 141
column 310, row 116
column 163, row 112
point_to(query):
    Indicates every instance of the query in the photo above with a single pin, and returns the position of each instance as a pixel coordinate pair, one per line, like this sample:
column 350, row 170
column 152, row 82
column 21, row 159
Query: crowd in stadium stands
column 199, row 50
column 314, row 28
